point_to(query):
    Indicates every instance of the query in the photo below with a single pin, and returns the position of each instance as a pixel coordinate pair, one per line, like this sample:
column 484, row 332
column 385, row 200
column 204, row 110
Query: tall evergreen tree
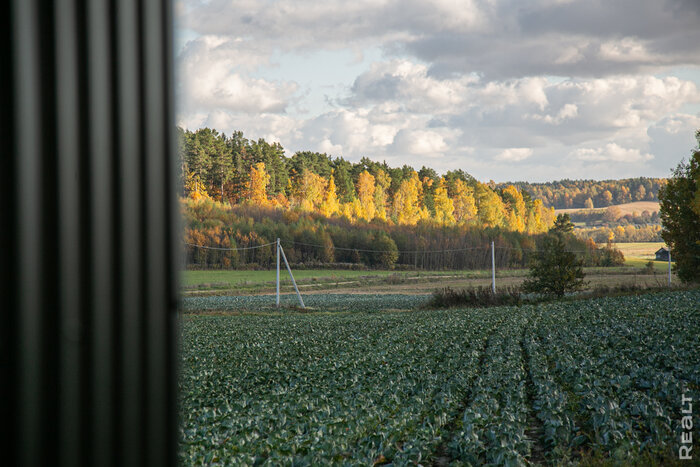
column 343, row 180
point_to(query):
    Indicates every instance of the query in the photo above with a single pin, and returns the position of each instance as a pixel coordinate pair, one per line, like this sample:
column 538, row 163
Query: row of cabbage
column 608, row 378
column 493, row 425
column 323, row 302
column 610, row 374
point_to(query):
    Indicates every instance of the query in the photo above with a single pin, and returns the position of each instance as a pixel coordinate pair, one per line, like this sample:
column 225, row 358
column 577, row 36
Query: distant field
column 225, row 282
column 229, row 278
column 207, row 283
column 638, row 254
column 644, row 250
column 627, row 208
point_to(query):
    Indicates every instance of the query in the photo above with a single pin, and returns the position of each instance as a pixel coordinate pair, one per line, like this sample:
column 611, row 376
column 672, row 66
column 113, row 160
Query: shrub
column 475, row 297
column 649, row 268
column 555, row 271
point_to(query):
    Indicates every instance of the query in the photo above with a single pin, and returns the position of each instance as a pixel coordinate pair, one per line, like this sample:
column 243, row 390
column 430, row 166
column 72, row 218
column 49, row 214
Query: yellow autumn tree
column 619, row 232
column 464, row 203
column 515, row 209
column 539, row 218
column 548, row 217
column 309, row 191
column 383, row 181
column 347, row 210
column 533, row 219
column 491, row 210
column 330, row 204
column 195, row 188
column 407, row 208
column 280, row 201
column 358, row 211
column 365, row 195
column 257, row 187
column 444, row 206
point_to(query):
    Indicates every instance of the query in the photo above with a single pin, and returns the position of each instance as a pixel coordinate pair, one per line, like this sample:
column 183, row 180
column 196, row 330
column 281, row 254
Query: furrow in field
column 441, row 455
column 535, row 431
column 493, row 425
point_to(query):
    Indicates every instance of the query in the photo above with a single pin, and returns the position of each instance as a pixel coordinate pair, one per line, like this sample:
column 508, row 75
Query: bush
column 475, row 297
column 611, row 256
column 649, row 268
column 555, row 271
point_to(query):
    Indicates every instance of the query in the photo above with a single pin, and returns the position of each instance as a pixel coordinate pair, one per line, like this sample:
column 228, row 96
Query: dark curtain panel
column 88, row 233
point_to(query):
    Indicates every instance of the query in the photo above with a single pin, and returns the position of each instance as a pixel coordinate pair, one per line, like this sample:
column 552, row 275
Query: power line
column 537, row 250
column 229, row 249
column 314, row 245
column 429, row 251
column 382, row 251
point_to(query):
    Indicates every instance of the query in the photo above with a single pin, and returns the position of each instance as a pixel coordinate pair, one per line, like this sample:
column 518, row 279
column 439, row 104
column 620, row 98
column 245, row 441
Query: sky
column 507, row 90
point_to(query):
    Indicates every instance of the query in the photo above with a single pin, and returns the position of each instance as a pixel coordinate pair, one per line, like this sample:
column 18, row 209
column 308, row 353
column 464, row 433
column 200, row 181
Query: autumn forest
column 239, row 193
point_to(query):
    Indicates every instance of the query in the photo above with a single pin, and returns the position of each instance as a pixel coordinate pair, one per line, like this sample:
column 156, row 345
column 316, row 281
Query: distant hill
column 638, row 221
column 624, row 209
column 576, row 194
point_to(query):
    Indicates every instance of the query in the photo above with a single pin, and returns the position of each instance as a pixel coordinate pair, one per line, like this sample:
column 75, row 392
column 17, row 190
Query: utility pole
column 294, row 283
column 278, row 273
column 669, row 266
column 493, row 268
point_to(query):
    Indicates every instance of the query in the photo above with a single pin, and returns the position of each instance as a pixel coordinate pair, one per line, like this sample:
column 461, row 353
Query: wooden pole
column 278, row 273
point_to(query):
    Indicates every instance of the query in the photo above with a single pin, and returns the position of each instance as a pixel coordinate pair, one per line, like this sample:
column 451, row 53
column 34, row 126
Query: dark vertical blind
column 88, row 235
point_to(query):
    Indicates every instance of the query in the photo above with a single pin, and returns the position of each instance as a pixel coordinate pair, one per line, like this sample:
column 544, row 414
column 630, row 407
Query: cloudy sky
column 504, row 89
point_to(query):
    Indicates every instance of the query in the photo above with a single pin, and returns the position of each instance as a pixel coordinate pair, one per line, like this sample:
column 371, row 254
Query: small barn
column 662, row 254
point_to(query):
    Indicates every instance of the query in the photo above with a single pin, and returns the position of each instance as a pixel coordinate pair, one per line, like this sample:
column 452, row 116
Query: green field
column 597, row 379
column 198, row 283
column 232, row 282
column 640, row 250
column 638, row 254
column 231, row 278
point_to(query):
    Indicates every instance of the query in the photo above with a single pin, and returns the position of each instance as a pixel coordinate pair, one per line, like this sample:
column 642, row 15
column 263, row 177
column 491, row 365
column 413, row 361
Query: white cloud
column 570, row 55
column 419, row 142
column 627, row 49
column 451, row 80
column 676, row 124
column 514, row 154
column 212, row 75
column 671, row 139
column 568, row 111
column 502, row 38
column 611, row 152
column 408, row 84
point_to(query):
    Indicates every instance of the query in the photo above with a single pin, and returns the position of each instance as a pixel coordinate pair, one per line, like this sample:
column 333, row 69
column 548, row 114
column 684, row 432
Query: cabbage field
column 593, row 380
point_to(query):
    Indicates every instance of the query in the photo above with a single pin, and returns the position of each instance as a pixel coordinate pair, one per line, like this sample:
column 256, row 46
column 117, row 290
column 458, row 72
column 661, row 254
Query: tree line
column 313, row 240
column 610, row 224
column 567, row 194
column 237, row 171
